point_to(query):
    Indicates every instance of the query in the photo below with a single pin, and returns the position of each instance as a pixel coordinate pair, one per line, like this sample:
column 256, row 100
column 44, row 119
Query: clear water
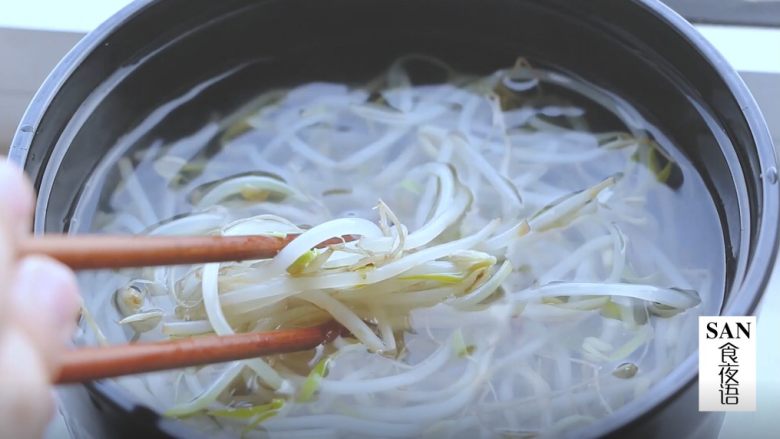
column 550, row 380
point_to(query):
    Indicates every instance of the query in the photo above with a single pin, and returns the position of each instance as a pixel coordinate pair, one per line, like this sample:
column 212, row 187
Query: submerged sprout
column 144, row 321
column 411, row 186
column 563, row 211
column 515, row 85
column 445, row 278
column 312, row 382
column 243, row 413
column 553, row 300
column 188, row 173
column 672, row 297
column 460, row 347
column 661, row 310
column 660, row 164
column 625, row 370
column 616, row 140
column 339, row 191
column 256, row 415
column 249, row 187
column 662, row 173
column 129, row 299
column 236, row 130
column 302, row 262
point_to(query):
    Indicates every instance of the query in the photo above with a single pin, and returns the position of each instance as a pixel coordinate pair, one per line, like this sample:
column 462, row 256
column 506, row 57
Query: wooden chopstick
column 83, row 252
column 92, row 363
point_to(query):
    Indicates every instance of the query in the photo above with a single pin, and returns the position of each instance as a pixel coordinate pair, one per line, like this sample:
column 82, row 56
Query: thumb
column 16, row 203
column 45, row 304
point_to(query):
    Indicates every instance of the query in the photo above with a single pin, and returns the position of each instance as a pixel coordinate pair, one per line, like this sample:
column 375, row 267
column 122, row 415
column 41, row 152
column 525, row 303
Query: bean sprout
column 511, row 272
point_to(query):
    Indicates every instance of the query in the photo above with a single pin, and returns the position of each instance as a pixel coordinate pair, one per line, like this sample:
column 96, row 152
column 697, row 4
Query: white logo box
column 727, row 364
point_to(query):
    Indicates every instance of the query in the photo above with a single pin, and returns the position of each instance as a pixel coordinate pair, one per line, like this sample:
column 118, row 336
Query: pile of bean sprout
column 507, row 280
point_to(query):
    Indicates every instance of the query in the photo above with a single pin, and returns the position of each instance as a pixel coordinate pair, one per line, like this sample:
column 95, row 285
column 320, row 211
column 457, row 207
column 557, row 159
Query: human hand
column 39, row 303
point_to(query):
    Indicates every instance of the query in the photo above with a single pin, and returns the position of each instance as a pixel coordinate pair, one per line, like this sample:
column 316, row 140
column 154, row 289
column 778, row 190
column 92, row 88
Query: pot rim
column 754, row 282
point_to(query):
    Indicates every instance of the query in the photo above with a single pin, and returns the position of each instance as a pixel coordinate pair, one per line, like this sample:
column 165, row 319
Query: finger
column 26, row 404
column 17, row 198
column 45, row 304
column 16, row 203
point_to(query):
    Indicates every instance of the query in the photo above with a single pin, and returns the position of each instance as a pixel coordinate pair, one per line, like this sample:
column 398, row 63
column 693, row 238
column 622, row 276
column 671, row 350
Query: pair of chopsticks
column 81, row 252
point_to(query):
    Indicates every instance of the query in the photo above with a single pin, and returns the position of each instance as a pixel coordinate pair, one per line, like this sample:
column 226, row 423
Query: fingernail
column 48, row 289
column 16, row 196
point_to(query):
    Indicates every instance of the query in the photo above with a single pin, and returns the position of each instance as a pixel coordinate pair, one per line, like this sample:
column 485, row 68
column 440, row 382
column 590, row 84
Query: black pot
column 153, row 51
